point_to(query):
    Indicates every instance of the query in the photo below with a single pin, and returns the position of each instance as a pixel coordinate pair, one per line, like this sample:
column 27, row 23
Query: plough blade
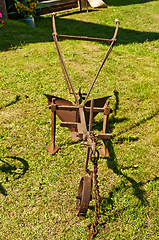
column 70, row 116
column 65, row 116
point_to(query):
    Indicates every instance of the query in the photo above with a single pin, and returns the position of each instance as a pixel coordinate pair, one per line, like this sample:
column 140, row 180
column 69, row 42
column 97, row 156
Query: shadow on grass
column 2, row 190
column 14, row 34
column 17, row 99
column 13, row 170
column 137, row 190
column 136, row 186
column 112, row 119
column 125, row 2
column 80, row 28
column 144, row 120
column 112, row 164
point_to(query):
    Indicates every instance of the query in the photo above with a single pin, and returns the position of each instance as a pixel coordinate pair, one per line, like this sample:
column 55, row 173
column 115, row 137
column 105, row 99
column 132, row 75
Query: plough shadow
column 154, row 114
column 89, row 29
column 17, row 99
column 138, row 191
column 137, row 186
column 113, row 119
column 43, row 32
column 10, row 169
column 112, row 164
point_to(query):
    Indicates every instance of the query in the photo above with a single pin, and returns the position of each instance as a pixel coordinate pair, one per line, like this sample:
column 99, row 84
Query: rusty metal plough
column 77, row 117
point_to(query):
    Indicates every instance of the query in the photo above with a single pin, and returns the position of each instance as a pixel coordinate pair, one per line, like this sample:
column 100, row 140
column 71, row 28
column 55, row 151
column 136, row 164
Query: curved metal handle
column 116, row 29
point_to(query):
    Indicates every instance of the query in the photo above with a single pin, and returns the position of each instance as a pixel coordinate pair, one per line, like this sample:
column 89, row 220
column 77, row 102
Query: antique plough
column 77, row 117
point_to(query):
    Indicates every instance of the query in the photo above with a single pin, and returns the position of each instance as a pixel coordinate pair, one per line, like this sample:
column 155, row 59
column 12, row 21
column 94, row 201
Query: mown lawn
column 37, row 190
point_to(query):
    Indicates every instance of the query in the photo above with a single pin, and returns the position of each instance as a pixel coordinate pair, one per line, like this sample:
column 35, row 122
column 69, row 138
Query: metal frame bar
column 84, row 38
column 63, row 66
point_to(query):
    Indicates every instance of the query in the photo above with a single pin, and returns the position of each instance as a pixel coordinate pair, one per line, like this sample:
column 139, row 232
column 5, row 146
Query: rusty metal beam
column 76, row 108
column 84, row 38
column 69, row 124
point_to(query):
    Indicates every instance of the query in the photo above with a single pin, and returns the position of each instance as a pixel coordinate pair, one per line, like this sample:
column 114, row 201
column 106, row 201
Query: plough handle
column 105, row 58
column 64, row 70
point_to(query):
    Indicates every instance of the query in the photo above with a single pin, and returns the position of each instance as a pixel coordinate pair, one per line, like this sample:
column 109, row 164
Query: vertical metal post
column 91, row 115
column 53, row 148
column 104, row 151
column 87, row 5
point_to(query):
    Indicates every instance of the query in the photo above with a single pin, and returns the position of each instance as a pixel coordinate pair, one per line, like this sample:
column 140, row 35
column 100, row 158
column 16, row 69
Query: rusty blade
column 65, row 116
column 99, row 102
column 58, row 100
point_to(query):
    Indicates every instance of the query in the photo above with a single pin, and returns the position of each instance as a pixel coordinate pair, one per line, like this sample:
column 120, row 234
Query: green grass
column 37, row 190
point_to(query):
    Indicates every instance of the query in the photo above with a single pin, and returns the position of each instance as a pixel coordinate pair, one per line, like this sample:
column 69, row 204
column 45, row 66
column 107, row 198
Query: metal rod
column 59, row 52
column 87, row 159
column 76, row 108
column 62, row 66
column 105, row 58
column 91, row 115
column 84, row 38
column 61, row 60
